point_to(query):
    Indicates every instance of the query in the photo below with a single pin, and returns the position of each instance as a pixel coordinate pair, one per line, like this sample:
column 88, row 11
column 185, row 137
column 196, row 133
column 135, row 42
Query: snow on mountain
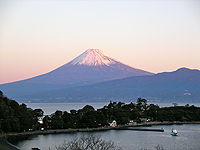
column 93, row 57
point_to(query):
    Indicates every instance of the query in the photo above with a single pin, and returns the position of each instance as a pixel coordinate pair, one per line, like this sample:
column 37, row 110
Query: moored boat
column 174, row 132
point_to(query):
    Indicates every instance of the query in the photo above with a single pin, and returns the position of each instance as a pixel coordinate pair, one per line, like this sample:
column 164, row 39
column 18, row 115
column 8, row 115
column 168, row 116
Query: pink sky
column 39, row 36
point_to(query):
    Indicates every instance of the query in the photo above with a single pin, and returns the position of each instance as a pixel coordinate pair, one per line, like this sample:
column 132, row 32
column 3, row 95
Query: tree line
column 18, row 118
column 88, row 117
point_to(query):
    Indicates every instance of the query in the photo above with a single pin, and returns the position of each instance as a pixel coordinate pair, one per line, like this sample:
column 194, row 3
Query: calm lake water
column 50, row 108
column 188, row 138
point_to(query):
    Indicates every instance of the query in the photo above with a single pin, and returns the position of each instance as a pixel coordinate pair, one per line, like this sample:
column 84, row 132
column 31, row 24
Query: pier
column 141, row 129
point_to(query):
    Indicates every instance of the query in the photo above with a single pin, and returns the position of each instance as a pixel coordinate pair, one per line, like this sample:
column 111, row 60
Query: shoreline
column 4, row 144
column 7, row 145
column 59, row 131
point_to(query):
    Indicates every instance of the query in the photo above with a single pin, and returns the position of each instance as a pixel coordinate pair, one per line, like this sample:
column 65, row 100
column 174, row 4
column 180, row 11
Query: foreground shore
column 4, row 144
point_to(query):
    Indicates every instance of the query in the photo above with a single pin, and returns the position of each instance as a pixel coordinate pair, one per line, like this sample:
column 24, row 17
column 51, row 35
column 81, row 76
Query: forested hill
column 15, row 117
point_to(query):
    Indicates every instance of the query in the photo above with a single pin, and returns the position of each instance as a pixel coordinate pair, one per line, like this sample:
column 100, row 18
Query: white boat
column 174, row 132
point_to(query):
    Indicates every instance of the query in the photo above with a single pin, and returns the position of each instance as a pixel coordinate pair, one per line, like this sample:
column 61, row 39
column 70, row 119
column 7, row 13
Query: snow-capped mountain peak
column 93, row 57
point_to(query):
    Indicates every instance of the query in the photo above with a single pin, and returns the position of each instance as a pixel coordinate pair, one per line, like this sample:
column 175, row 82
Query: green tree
column 47, row 122
column 15, row 117
column 141, row 104
column 56, row 122
column 101, row 118
column 152, row 111
column 38, row 112
column 66, row 117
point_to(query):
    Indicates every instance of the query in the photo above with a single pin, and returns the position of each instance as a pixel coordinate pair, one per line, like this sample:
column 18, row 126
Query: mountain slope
column 90, row 67
column 182, row 85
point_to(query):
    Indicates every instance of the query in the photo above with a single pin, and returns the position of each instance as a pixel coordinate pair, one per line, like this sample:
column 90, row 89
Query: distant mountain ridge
column 182, row 85
column 90, row 67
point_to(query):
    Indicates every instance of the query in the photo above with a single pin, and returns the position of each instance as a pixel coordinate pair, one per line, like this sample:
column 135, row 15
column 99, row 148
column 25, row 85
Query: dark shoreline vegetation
column 15, row 118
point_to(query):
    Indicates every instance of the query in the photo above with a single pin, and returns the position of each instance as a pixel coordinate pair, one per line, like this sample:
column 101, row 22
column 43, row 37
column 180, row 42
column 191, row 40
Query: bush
column 89, row 142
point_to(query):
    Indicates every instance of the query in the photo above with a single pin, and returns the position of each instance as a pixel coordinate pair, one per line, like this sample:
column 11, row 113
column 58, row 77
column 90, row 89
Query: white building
column 113, row 123
column 40, row 120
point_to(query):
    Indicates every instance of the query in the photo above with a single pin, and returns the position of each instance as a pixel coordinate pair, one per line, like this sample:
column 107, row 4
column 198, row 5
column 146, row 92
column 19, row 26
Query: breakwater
column 140, row 129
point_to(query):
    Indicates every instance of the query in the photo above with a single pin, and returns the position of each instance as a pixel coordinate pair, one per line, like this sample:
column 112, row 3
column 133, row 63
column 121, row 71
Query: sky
column 37, row 37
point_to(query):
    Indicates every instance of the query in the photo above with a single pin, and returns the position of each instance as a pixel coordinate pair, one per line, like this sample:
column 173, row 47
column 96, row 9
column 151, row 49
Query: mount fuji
column 90, row 67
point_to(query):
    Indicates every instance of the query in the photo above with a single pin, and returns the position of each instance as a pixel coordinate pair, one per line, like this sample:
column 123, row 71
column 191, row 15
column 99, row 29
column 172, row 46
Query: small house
column 113, row 123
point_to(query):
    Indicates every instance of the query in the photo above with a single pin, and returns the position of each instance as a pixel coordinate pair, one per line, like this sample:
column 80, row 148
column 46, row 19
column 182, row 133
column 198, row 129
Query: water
column 188, row 138
column 189, row 135
column 50, row 108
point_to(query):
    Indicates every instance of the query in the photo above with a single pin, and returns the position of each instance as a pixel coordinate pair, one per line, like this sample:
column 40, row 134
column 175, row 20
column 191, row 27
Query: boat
column 174, row 132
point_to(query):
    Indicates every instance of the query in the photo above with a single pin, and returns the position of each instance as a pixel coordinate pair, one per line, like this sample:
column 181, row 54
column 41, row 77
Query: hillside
column 182, row 85
column 15, row 117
